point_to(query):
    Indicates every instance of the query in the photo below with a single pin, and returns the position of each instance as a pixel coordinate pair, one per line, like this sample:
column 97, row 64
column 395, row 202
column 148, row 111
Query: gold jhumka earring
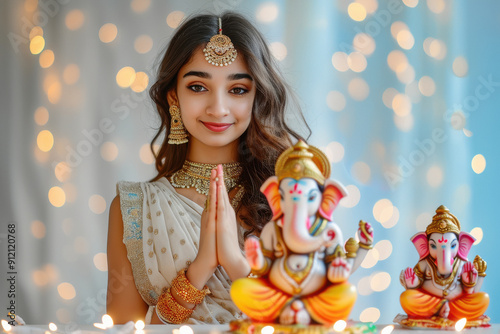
column 220, row 50
column 178, row 134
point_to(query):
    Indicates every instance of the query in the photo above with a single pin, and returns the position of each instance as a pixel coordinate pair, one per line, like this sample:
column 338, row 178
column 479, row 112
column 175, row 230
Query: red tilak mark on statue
column 331, row 234
column 442, row 240
column 295, row 189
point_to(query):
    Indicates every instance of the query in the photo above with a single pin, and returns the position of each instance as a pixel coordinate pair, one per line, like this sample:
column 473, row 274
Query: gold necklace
column 197, row 175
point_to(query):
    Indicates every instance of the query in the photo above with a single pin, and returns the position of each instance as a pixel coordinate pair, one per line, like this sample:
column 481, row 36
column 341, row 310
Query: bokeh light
column 175, row 18
column 356, row 11
column 356, row 62
column 108, row 33
column 397, row 61
column 478, row 164
column 393, row 220
column 371, row 314
column 364, row 43
column 435, row 176
column 335, row 101
column 140, row 83
column 38, row 229
column 62, row 171
column 71, row 74
column 361, row 172
column 339, row 325
column 109, row 151
column 370, row 259
column 334, row 151
column 125, row 77
column 45, row 140
column 143, row 44
column 405, row 39
column 388, row 96
column 352, row 198
column 278, row 50
column 358, row 89
column 146, row 155
column 411, row 4
column 397, row 27
column 436, row 6
column 383, row 210
column 66, row 290
column 458, row 120
column 97, row 204
column 384, row 248
column 267, row 12
column 36, row 31
column 140, row 6
column 380, row 281
column 41, row 116
column 39, row 277
column 460, row 66
column 363, row 286
column 101, row 262
column 37, row 44
column 426, row 86
column 401, row 105
column 57, row 196
column 477, row 233
column 46, row 58
column 74, row 19
column 423, row 219
column 339, row 61
column 404, row 123
column 370, row 5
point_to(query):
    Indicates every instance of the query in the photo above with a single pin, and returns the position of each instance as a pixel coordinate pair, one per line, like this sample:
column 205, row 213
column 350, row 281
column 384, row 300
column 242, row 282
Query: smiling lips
column 217, row 127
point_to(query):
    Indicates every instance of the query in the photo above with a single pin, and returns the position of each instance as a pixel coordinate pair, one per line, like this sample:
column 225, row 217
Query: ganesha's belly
column 298, row 274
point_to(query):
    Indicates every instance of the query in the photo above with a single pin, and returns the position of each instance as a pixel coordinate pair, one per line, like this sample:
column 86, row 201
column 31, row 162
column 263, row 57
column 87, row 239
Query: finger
column 212, row 196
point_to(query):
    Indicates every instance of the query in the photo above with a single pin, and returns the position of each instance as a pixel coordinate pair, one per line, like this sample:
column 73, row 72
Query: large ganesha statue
column 300, row 264
column 444, row 285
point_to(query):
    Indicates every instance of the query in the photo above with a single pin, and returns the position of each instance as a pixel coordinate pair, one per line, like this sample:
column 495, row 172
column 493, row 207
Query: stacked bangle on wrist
column 169, row 310
column 188, row 292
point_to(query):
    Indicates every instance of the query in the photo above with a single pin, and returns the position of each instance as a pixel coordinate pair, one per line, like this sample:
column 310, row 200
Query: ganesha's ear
column 332, row 195
column 271, row 190
column 421, row 244
column 465, row 241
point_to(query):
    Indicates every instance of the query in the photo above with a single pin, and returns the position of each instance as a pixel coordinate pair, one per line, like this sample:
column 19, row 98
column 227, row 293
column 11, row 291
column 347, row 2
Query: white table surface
column 213, row 329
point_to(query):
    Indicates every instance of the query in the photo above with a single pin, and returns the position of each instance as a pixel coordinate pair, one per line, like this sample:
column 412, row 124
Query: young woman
column 174, row 243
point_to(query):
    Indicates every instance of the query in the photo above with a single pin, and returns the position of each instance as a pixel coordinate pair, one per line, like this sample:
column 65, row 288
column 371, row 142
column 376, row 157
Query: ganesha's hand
column 469, row 275
column 409, row 279
column 254, row 254
column 339, row 270
column 365, row 233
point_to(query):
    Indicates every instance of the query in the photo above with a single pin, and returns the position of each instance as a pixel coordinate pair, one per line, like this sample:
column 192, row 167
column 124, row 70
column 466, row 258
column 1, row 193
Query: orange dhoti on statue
column 261, row 301
column 417, row 303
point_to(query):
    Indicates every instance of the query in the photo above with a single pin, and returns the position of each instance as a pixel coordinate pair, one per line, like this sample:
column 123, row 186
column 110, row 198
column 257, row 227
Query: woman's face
column 215, row 102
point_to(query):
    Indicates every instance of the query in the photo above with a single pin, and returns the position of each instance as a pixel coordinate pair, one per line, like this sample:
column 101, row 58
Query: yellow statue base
column 438, row 322
column 246, row 326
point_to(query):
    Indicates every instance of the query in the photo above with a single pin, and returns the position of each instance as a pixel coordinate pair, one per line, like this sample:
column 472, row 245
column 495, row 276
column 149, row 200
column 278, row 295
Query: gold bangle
column 169, row 310
column 187, row 291
column 469, row 285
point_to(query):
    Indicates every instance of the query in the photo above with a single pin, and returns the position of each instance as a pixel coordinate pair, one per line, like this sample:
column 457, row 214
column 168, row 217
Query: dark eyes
column 454, row 246
column 433, row 246
column 312, row 196
column 197, row 88
column 235, row 91
column 239, row 91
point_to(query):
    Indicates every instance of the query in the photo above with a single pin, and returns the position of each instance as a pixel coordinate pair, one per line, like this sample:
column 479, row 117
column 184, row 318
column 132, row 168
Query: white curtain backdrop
column 402, row 96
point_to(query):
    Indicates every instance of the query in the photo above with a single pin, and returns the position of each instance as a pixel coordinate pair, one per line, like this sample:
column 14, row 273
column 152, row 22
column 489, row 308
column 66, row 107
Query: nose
column 217, row 105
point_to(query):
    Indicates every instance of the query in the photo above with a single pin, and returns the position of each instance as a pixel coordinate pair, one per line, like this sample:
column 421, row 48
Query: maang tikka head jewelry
column 178, row 134
column 220, row 50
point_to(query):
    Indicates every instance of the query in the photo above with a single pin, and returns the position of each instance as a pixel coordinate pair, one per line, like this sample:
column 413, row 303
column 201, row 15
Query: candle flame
column 139, row 325
column 185, row 330
column 387, row 329
column 267, row 330
column 107, row 321
column 6, row 326
column 460, row 324
column 99, row 325
column 339, row 326
column 52, row 327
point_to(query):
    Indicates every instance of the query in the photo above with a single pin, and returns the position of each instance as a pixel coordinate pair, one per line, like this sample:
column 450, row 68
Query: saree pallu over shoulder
column 131, row 202
column 161, row 233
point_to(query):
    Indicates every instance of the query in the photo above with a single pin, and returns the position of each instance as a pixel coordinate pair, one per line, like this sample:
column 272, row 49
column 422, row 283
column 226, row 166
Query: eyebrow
column 205, row 75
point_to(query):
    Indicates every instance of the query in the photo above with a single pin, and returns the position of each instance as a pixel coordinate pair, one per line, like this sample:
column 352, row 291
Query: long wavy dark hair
column 268, row 133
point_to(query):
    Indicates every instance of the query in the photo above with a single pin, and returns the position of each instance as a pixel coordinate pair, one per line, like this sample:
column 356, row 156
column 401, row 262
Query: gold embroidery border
column 134, row 247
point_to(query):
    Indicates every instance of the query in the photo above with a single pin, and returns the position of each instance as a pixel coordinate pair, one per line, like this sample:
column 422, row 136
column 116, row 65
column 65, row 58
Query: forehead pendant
column 220, row 50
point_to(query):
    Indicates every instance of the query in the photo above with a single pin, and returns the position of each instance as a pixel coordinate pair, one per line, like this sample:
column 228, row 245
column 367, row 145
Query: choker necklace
column 197, row 175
